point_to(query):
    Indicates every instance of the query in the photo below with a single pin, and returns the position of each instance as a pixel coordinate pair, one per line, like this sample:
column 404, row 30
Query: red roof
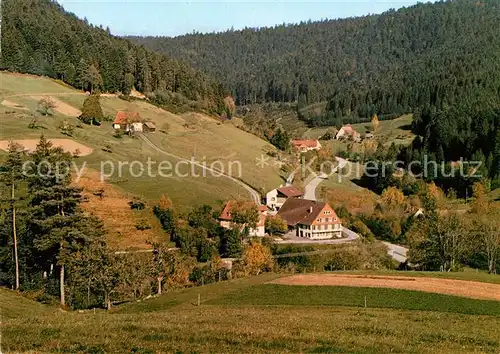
column 290, row 191
column 226, row 213
column 127, row 117
column 305, row 143
column 348, row 129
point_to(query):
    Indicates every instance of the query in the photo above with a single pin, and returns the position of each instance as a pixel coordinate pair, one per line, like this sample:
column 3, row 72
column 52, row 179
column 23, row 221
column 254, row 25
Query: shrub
column 46, row 106
column 142, row 225
column 66, row 128
column 137, row 204
column 33, row 124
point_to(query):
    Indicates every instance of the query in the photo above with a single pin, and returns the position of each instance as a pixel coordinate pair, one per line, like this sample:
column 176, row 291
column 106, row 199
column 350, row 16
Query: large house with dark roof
column 311, row 219
column 277, row 197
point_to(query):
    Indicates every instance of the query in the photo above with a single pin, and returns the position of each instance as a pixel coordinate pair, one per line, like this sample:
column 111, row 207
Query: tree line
column 54, row 250
column 388, row 64
column 39, row 37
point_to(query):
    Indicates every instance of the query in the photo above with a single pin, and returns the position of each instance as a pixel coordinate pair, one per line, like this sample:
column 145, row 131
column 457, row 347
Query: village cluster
column 305, row 218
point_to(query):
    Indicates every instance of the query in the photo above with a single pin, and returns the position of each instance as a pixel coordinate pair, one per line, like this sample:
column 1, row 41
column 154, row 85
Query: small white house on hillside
column 277, row 197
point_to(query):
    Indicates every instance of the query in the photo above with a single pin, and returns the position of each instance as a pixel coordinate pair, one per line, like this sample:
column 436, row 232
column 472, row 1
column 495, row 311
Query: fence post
column 365, row 301
column 199, row 299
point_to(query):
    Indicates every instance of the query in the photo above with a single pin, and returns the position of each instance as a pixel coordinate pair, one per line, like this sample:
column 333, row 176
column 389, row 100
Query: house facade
column 128, row 121
column 277, row 197
column 225, row 219
column 311, row 219
column 306, row 145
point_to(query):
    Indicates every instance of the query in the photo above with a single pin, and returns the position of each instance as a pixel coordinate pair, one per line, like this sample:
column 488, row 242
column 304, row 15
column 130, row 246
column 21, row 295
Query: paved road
column 350, row 236
column 312, row 186
column 253, row 193
column 399, row 253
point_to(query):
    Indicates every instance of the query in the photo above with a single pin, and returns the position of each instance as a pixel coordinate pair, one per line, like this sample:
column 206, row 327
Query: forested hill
column 40, row 37
column 434, row 54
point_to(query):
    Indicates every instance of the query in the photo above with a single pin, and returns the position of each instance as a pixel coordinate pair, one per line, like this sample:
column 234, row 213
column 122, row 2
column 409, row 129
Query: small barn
column 149, row 127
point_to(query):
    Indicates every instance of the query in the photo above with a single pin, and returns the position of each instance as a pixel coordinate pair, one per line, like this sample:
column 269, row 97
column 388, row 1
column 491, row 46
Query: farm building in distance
column 306, row 145
column 311, row 219
column 348, row 132
column 128, row 121
column 149, row 127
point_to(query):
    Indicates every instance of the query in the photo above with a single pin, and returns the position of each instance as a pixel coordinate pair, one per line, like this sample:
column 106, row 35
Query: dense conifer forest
column 39, row 37
column 426, row 55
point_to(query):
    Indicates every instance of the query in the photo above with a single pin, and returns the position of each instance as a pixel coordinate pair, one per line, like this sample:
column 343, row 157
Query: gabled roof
column 305, row 143
column 123, row 117
column 349, row 130
column 290, row 191
column 226, row 213
column 302, row 211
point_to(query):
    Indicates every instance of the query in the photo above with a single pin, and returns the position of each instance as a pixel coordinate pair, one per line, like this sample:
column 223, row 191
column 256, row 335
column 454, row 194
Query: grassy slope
column 246, row 315
column 209, row 140
column 273, row 294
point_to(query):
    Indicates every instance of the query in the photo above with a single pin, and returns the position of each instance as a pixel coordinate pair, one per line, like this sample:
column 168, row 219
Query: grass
column 189, row 135
column 396, row 131
column 288, row 295
column 247, row 316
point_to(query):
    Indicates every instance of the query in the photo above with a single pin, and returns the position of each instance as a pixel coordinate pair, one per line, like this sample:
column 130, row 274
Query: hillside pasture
column 475, row 290
column 190, row 135
column 248, row 316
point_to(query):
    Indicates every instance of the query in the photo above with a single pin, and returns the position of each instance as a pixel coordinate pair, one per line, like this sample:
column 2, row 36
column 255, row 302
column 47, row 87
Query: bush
column 46, row 106
column 137, row 204
column 143, row 225
column 33, row 124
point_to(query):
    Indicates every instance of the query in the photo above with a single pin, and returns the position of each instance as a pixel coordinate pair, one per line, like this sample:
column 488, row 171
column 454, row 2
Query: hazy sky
column 172, row 18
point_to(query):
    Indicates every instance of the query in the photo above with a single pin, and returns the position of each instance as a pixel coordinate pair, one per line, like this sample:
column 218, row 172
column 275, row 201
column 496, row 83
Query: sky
column 173, row 18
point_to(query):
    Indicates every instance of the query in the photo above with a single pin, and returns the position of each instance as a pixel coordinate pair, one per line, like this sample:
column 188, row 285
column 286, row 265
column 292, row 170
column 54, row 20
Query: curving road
column 253, row 193
column 310, row 188
column 399, row 253
column 350, row 237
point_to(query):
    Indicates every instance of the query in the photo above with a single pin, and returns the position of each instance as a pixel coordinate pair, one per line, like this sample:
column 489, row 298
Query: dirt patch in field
column 68, row 145
column 472, row 289
column 11, row 104
column 61, row 106
column 110, row 205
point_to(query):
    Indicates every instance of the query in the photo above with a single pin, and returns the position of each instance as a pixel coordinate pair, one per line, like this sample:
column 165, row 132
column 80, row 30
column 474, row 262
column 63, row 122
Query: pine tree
column 12, row 177
column 57, row 223
column 91, row 110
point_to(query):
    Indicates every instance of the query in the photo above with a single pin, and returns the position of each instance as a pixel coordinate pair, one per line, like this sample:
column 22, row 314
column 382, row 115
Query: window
column 327, row 212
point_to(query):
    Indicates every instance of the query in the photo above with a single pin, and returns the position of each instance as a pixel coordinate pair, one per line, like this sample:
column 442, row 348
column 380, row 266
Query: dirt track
column 472, row 289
